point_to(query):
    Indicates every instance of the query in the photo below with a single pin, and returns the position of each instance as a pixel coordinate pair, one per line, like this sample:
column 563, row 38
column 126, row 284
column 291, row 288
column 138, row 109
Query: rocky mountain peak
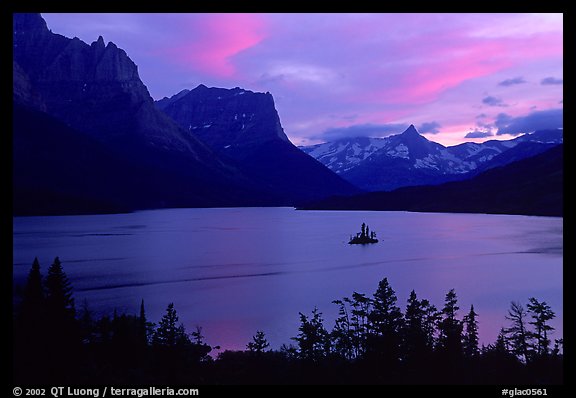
column 29, row 23
column 411, row 132
column 99, row 44
column 227, row 120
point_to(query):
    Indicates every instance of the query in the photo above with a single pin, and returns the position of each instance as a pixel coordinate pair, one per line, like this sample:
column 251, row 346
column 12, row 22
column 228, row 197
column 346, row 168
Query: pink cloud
column 435, row 65
column 322, row 68
column 211, row 42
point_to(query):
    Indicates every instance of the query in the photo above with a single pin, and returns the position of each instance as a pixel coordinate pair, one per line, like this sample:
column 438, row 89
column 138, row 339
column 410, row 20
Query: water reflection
column 235, row 271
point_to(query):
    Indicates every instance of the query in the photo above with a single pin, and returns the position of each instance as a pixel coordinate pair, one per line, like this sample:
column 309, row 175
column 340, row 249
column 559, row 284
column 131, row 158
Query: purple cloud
column 512, row 82
column 493, row 101
column 538, row 120
column 478, row 134
column 361, row 130
column 547, row 81
column 384, row 68
column 429, row 127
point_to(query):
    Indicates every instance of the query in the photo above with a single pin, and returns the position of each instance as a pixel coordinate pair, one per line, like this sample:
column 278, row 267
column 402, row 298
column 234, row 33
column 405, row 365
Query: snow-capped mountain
column 345, row 154
column 406, row 159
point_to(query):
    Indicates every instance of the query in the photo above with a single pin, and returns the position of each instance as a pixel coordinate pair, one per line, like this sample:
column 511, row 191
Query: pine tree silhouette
column 541, row 314
column 59, row 296
column 470, row 338
column 259, row 343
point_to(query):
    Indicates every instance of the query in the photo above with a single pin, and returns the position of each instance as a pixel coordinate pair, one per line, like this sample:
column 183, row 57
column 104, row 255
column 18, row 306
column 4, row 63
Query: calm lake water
column 235, row 271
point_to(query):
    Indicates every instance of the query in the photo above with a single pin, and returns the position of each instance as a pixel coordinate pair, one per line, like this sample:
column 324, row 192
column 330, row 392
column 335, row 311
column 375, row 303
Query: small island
column 363, row 237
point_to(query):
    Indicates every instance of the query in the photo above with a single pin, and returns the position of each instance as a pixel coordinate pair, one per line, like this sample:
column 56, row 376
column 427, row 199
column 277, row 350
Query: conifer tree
column 430, row 321
column 541, row 314
column 518, row 334
column 313, row 339
column 414, row 340
column 32, row 306
column 143, row 325
column 59, row 299
column 169, row 333
column 450, row 338
column 259, row 343
column 501, row 345
column 470, row 338
column 385, row 322
column 359, row 324
column 341, row 334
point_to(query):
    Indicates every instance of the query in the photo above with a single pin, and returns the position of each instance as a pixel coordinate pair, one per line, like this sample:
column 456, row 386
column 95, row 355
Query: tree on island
column 364, row 236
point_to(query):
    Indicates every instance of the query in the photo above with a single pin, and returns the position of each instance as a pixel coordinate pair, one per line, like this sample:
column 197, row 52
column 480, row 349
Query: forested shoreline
column 373, row 341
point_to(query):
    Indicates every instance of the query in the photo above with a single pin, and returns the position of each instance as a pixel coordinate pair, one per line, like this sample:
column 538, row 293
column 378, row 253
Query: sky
column 456, row 77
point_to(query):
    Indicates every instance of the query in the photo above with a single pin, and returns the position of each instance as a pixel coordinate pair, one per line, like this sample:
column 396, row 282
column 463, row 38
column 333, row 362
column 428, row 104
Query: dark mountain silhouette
column 79, row 99
column 164, row 102
column 532, row 186
column 92, row 94
column 244, row 126
column 552, row 136
column 59, row 170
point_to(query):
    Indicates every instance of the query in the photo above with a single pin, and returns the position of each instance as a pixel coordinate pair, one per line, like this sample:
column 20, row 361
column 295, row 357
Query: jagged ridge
column 410, row 159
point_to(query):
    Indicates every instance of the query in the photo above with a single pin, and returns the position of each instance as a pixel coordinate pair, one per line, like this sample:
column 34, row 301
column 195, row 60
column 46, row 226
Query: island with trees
column 363, row 237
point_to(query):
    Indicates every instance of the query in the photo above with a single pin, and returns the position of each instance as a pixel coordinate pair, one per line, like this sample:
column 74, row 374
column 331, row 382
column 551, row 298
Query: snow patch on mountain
column 386, row 163
column 399, row 151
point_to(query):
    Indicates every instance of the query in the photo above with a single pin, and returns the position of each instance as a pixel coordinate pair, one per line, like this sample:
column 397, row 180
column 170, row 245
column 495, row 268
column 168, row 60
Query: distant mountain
column 164, row 102
column 531, row 186
column 86, row 98
column 346, row 153
column 244, row 127
column 409, row 159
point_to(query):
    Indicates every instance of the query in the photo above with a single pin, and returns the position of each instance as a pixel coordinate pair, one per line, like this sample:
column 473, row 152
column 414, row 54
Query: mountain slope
column 94, row 88
column 92, row 94
column 244, row 127
column 532, row 186
column 346, row 153
column 59, row 170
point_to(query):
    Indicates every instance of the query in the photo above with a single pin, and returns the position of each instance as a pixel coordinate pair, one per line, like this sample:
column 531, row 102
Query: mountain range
column 89, row 138
column 88, row 134
column 409, row 159
column 531, row 186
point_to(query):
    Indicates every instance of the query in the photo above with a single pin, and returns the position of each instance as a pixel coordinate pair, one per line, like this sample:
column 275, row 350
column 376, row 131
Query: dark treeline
column 372, row 342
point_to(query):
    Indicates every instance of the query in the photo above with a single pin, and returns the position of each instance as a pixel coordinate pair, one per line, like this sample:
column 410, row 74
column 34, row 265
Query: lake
column 235, row 271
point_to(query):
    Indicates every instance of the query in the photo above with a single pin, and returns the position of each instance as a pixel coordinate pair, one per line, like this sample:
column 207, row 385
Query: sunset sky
column 456, row 77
